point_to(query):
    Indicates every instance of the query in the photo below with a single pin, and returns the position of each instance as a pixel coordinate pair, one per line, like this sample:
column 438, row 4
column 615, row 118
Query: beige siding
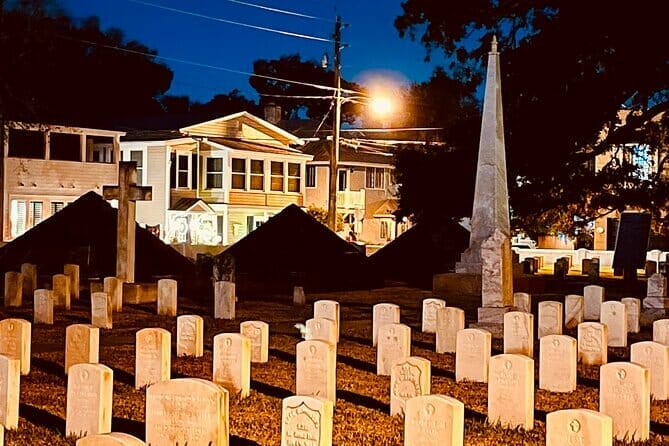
column 261, row 199
column 318, row 196
column 153, row 212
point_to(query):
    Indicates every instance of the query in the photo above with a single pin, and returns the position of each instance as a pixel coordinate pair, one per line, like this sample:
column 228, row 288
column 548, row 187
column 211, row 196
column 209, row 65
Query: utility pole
column 334, row 150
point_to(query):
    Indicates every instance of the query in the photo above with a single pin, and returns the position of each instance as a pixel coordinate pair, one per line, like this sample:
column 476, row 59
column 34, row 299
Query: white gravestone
column 101, row 310
column 328, row 309
column 394, row 344
column 450, row 320
column 224, row 300
column 624, row 395
column 409, row 377
column 519, row 333
column 472, row 355
column 82, row 345
column 305, row 421
column 89, row 400
column 232, row 363
column 153, row 351
column 593, row 297
column 550, row 318
column 661, row 331
column 384, row 313
column 573, row 310
column 511, row 391
column 111, row 439
column 592, row 343
column 10, row 379
column 655, row 357
column 190, row 336
column 573, row 427
column 15, row 341
column 167, row 297
column 43, row 307
column 60, row 283
column 258, row 333
column 430, row 307
column 632, row 309
column 316, row 369
column 321, row 329
column 522, row 302
column 72, row 271
column 557, row 363
column 13, row 289
column 29, row 272
column 613, row 315
column 114, row 287
column 434, row 420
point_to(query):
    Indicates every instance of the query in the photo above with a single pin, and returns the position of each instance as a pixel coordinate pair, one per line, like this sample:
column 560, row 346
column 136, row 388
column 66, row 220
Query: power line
column 280, row 11
column 232, row 22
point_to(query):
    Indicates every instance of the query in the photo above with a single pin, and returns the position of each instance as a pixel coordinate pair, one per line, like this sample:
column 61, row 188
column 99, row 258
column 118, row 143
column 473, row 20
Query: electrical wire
column 280, row 11
column 323, row 120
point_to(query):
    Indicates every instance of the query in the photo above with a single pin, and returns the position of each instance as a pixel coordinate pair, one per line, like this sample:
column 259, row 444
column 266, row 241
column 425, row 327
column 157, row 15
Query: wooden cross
column 127, row 193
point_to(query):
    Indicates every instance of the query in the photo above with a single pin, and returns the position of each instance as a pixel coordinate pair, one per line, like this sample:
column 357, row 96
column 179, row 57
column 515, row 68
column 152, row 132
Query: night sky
column 373, row 44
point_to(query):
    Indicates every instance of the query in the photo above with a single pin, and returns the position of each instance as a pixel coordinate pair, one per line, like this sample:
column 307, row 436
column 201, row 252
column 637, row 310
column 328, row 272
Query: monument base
column 468, row 284
column 661, row 303
column 493, row 315
column 140, row 293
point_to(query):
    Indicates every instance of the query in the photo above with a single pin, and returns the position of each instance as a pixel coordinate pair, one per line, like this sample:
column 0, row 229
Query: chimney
column 272, row 113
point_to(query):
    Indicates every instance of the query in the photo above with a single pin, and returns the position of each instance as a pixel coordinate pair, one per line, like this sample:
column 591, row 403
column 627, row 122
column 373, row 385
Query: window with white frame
column 276, row 176
column 17, row 215
column 374, row 178
column 383, row 230
column 138, row 157
column 238, row 173
column 214, row 173
column 183, row 170
column 310, row 176
column 294, row 177
column 35, row 213
column 257, row 175
column 56, row 206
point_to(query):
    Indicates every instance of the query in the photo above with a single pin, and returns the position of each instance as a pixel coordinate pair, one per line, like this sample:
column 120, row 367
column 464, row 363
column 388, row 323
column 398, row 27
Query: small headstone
column 29, row 272
column 592, row 268
column 321, row 329
column 114, row 287
column 13, row 289
column 258, row 333
column 394, row 344
column 614, row 317
column 384, row 313
column 299, row 298
column 316, row 367
column 550, row 318
column 101, row 310
column 167, row 297
column 10, row 378
column 43, row 307
column 224, row 300
column 190, row 336
column 82, row 345
column 632, row 309
column 650, row 267
column 450, row 320
column 232, row 363
column 661, row 331
column 434, row 420
column 15, row 341
column 306, row 420
column 573, row 427
column 430, row 307
column 152, row 356
column 89, row 400
column 111, row 439
column 527, row 266
column 656, row 286
column 624, row 395
column 187, row 411
column 328, row 309
column 72, row 271
column 592, row 343
column 61, row 291
column 557, row 363
column 593, row 297
column 511, row 391
column 472, row 355
column 573, row 310
column 409, row 377
column 560, row 268
column 519, row 333
column 522, row 302
column 655, row 357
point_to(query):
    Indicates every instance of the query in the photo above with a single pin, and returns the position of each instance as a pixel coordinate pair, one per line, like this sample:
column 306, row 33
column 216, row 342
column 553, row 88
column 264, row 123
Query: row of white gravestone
column 22, row 284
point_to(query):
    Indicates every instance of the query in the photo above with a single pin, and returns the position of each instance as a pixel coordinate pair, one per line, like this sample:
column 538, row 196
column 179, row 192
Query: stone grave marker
column 409, row 377
column 472, row 355
column 519, row 333
column 29, row 273
column 328, row 309
column 434, row 420
column 224, row 300
column 655, row 357
column 592, row 343
column 578, row 427
column 15, row 341
column 306, row 420
column 560, row 268
column 557, row 363
column 111, row 439
column 152, row 356
column 43, row 307
column 232, row 363
column 511, row 391
column 661, row 331
column 61, row 291
column 316, row 368
column 632, row 309
column 650, row 267
column 573, row 310
column 523, row 302
column 89, row 400
column 430, row 307
column 321, row 329
column 624, row 395
column 450, row 320
column 631, row 244
column 167, row 297
column 72, row 271
column 114, row 287
column 82, row 345
column 187, row 411
column 593, row 297
column 550, row 318
column 258, row 333
column 656, row 292
column 394, row 344
column 383, row 313
column 298, row 296
column 614, row 317
column 10, row 378
column 13, row 289
column 190, row 336
column 101, row 310
column 590, row 268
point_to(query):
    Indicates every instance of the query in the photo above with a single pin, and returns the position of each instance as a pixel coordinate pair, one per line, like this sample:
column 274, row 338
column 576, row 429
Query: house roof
column 348, row 152
column 384, row 208
column 239, row 144
column 191, row 204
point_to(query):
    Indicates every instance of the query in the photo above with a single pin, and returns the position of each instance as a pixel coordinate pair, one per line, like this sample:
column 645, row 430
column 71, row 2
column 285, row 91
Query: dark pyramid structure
column 84, row 232
column 292, row 248
column 419, row 253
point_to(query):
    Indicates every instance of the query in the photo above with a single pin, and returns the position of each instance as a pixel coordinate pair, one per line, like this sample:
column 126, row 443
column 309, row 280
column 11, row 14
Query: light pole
column 334, row 150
